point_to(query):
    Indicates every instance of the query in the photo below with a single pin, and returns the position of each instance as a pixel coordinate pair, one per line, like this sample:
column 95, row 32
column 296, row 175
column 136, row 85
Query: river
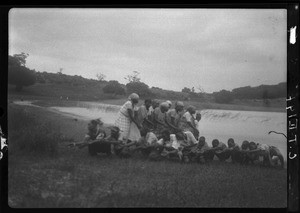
column 219, row 124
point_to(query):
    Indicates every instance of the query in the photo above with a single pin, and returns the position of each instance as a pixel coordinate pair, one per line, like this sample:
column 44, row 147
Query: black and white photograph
column 147, row 107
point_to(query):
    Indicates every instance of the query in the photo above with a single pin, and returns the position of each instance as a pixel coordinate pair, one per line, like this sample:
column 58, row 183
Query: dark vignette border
column 292, row 92
column 293, row 108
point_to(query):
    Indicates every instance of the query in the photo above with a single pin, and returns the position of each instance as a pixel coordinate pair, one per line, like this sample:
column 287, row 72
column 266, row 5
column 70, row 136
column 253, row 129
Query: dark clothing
column 199, row 153
column 123, row 152
column 223, row 155
column 99, row 147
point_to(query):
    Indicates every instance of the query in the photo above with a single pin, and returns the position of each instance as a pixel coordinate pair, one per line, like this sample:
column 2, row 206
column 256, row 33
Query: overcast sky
column 171, row 48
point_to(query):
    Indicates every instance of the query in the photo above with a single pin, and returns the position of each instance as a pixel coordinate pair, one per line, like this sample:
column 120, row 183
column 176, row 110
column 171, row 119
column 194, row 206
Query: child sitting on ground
column 276, row 156
column 220, row 150
column 96, row 138
column 270, row 156
column 146, row 143
column 246, row 157
column 234, row 151
column 172, row 148
column 199, row 153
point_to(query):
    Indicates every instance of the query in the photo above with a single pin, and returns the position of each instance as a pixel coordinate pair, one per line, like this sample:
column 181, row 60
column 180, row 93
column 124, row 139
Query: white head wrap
column 169, row 102
column 133, row 96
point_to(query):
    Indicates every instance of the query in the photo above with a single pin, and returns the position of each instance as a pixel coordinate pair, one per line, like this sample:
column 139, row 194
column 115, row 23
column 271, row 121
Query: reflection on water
column 220, row 124
column 108, row 117
column 244, row 125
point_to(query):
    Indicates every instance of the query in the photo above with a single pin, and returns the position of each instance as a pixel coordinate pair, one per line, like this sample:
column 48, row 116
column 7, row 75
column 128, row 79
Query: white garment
column 263, row 147
column 151, row 138
column 190, row 137
column 161, row 141
column 174, row 142
column 134, row 132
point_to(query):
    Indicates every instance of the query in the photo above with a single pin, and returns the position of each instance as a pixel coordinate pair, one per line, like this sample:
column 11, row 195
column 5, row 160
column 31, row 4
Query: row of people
column 166, row 146
column 135, row 122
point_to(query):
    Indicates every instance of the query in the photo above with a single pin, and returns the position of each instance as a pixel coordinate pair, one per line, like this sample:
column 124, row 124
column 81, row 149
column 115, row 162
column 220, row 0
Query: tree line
column 21, row 76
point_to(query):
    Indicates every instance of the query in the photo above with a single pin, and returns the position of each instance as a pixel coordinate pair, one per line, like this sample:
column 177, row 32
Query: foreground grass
column 77, row 180
column 74, row 179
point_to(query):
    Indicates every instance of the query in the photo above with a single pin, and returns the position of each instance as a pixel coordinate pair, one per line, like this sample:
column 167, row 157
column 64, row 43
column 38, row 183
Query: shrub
column 114, row 87
column 223, row 97
column 21, row 77
column 140, row 88
column 18, row 74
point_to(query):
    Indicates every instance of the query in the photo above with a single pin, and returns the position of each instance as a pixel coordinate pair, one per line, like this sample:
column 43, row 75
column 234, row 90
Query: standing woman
column 159, row 116
column 173, row 118
column 126, row 116
column 187, row 125
column 188, row 121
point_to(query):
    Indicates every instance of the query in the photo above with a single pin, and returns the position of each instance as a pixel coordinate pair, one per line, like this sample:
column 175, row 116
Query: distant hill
column 261, row 92
column 80, row 88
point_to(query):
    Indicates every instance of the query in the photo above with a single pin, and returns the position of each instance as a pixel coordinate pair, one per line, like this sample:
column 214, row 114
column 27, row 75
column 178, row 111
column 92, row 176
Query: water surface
column 219, row 124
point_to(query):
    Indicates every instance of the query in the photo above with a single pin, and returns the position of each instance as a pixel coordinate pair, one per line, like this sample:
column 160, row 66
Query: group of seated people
column 158, row 132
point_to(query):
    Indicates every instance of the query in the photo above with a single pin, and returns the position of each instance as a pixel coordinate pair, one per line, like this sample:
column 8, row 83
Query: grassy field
column 43, row 172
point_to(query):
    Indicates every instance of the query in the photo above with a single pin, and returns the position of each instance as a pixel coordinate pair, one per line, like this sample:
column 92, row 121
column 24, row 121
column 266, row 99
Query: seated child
column 265, row 152
column 276, row 156
column 172, row 148
column 220, row 150
column 96, row 139
column 158, row 146
column 246, row 157
column 200, row 152
column 234, row 150
column 147, row 143
column 125, row 148
column 95, row 130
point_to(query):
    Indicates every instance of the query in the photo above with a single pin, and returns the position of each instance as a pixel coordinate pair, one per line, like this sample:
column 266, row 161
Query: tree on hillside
column 140, row 88
column 186, row 90
column 133, row 77
column 100, row 76
column 60, row 71
column 200, row 88
column 18, row 59
column 114, row 87
column 265, row 97
column 18, row 74
column 223, row 97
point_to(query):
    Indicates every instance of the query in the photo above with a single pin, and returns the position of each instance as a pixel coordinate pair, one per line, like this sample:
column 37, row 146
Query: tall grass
column 30, row 134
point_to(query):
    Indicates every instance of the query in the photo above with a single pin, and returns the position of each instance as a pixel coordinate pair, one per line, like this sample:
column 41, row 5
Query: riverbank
column 72, row 178
column 276, row 105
